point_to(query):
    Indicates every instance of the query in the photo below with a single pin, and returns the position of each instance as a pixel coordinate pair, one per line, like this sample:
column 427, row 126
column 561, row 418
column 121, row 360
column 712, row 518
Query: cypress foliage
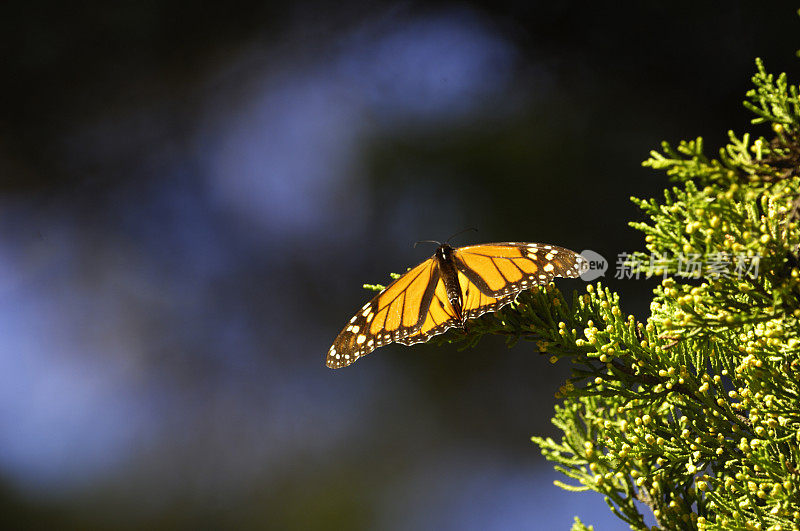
column 693, row 415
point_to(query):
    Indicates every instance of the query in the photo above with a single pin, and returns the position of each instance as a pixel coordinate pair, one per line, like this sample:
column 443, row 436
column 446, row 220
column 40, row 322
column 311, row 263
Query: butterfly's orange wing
column 439, row 318
column 415, row 301
column 491, row 275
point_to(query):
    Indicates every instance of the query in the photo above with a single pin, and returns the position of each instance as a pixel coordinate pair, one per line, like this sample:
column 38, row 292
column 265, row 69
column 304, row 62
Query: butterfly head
column 444, row 252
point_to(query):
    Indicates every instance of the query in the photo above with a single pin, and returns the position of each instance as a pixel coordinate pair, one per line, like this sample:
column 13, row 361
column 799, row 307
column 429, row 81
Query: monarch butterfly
column 453, row 285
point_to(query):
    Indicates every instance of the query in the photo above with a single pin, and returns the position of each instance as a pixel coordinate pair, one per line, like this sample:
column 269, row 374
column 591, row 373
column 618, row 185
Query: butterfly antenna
column 460, row 232
column 426, row 241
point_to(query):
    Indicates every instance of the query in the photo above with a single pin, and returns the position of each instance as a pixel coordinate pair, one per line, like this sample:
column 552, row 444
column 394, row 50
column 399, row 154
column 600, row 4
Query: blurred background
column 192, row 193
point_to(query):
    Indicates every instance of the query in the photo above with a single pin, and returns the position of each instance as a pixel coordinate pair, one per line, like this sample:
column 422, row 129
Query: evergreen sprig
column 695, row 413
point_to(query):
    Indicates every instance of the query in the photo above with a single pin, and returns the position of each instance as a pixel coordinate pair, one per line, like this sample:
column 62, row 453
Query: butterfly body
column 449, row 276
column 449, row 288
